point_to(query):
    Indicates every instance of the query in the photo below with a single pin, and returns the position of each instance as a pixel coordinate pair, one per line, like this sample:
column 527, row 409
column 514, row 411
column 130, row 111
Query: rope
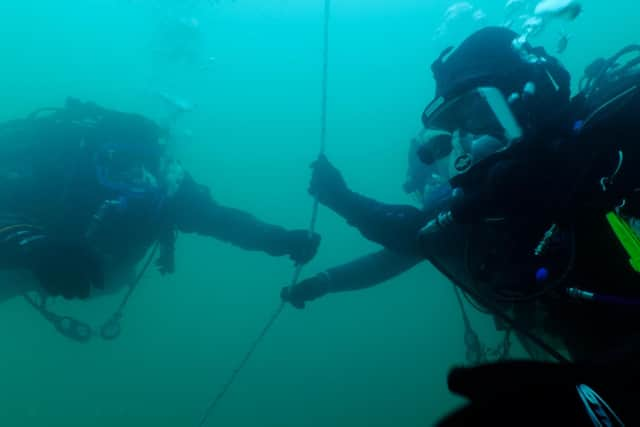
column 241, row 365
column 475, row 349
column 325, row 73
column 312, row 226
column 110, row 330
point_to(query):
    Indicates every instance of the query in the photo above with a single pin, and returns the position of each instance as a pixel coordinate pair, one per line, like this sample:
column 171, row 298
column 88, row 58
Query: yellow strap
column 627, row 237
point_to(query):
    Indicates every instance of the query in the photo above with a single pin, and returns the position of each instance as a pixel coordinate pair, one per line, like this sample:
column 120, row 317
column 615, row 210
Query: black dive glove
column 327, row 183
column 67, row 269
column 307, row 290
column 301, row 246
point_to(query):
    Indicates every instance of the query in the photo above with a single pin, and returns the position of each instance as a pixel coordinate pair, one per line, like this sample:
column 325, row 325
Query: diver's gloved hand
column 67, row 269
column 327, row 183
column 307, row 290
column 302, row 246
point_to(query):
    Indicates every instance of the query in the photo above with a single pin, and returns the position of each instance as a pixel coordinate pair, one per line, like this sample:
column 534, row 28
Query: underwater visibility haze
column 239, row 82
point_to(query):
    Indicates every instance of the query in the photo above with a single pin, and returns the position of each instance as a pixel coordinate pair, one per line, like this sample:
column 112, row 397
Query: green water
column 375, row 358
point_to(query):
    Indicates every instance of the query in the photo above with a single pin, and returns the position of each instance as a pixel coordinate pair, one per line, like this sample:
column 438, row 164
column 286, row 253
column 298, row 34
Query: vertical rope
column 323, row 113
column 325, row 73
column 312, row 226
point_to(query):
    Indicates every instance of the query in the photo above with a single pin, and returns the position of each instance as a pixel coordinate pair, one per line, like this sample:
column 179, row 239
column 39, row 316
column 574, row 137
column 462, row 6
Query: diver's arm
column 395, row 227
column 368, row 271
column 364, row 272
column 196, row 212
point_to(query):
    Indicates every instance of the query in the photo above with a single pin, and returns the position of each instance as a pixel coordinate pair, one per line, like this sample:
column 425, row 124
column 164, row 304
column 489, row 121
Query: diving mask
column 467, row 129
column 481, row 111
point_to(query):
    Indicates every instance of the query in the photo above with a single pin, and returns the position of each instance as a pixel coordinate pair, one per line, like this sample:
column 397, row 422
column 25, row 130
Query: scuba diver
column 539, row 223
column 87, row 193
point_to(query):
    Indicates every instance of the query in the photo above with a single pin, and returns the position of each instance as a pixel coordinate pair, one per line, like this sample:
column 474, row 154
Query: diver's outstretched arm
column 364, row 272
column 195, row 211
column 395, row 227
